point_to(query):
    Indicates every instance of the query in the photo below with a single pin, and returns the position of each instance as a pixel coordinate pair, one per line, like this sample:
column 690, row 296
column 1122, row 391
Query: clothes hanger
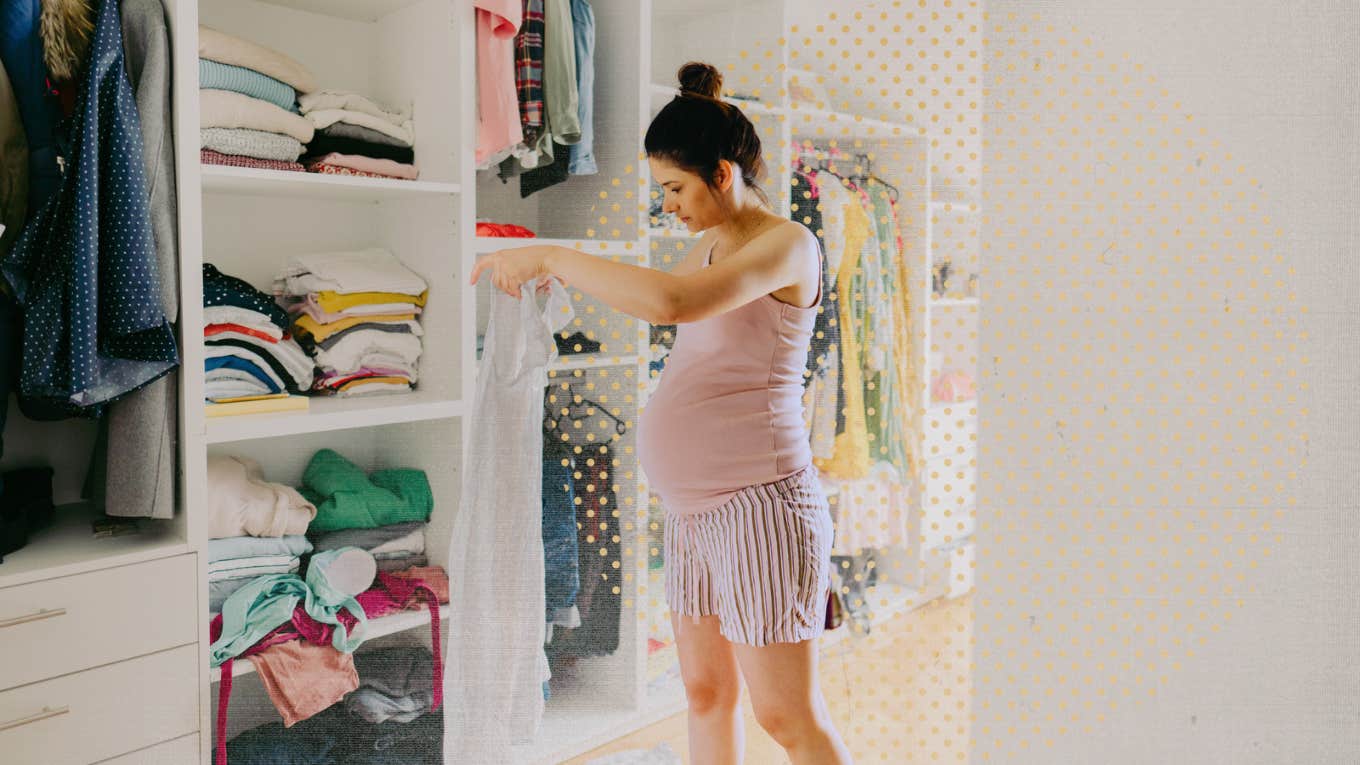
column 577, row 405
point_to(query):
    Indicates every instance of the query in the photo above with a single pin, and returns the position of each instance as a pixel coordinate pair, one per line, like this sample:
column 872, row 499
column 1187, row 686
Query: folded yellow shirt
column 320, row 331
column 362, row 381
column 334, row 302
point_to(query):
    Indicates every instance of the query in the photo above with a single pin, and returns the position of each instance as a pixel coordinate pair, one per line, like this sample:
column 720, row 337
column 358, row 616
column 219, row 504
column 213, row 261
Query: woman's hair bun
column 700, row 79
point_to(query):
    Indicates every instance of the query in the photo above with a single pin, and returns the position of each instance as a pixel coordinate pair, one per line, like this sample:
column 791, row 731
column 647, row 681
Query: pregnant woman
column 748, row 530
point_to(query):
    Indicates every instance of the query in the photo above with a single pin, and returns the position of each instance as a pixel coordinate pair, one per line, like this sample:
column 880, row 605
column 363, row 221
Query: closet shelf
column 355, row 10
column 942, row 302
column 593, row 361
column 249, row 180
column 69, row 547
column 955, row 205
column 816, row 123
column 327, row 413
column 592, row 246
column 380, row 627
column 961, row 407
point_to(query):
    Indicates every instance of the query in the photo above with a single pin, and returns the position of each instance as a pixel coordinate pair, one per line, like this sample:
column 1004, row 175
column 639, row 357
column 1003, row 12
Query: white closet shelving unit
column 247, row 221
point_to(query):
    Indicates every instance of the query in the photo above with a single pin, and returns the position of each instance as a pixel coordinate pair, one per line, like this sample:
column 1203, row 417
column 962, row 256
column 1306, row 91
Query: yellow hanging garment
column 850, row 457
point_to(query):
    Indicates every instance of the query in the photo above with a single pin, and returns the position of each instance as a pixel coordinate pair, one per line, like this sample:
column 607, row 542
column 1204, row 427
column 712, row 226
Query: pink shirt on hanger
column 498, row 124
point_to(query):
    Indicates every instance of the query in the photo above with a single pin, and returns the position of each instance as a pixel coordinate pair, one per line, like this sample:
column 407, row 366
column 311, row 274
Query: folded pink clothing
column 380, row 167
column 324, row 169
column 333, row 380
column 303, row 678
column 210, row 157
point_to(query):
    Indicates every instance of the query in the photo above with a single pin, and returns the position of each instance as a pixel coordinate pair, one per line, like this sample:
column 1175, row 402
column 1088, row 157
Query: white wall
column 1165, row 505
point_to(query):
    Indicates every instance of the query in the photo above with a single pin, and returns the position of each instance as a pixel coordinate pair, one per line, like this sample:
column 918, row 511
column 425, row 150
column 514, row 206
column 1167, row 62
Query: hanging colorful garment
column 851, row 458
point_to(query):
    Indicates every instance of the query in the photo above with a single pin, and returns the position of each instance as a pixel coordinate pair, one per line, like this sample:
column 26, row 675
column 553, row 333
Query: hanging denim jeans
column 562, row 575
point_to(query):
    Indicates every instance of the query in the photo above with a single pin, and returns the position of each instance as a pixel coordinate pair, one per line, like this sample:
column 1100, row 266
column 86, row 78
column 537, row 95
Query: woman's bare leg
column 788, row 701
column 713, row 688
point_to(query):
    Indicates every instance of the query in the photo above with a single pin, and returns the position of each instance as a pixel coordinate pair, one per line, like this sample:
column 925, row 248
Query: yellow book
column 259, row 406
column 256, row 397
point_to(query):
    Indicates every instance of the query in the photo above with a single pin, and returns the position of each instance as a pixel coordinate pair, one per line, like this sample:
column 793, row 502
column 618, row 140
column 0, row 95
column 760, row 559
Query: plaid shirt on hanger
column 529, row 70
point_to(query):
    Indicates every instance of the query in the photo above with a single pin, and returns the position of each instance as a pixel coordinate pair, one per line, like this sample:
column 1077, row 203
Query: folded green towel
column 346, row 498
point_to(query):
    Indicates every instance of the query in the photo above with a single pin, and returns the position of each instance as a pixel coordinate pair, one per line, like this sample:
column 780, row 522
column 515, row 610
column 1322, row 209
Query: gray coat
column 135, row 467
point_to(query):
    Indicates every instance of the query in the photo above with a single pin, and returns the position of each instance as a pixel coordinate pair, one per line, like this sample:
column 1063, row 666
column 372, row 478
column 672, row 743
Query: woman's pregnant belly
column 699, row 445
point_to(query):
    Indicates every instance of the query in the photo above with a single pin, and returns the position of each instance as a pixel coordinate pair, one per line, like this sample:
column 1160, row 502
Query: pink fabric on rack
column 433, row 576
column 498, row 124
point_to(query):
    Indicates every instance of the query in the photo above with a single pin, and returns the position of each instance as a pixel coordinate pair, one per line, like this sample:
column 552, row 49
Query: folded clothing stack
column 234, row 561
column 346, row 498
column 357, row 136
column 355, row 313
column 255, row 527
column 248, row 113
column 395, row 547
column 247, row 347
column 337, row 736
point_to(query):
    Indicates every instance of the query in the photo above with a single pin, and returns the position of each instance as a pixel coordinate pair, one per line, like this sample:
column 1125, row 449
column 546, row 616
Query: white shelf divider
column 592, row 246
column 69, row 546
column 327, row 413
column 833, row 124
column 593, row 361
column 380, row 627
column 227, row 179
column 354, row 10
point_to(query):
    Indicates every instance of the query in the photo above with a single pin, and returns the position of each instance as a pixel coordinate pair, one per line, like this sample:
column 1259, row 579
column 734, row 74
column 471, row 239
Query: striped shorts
column 761, row 561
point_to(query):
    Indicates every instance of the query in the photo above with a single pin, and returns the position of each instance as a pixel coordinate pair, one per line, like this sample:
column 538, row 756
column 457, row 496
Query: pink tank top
column 727, row 412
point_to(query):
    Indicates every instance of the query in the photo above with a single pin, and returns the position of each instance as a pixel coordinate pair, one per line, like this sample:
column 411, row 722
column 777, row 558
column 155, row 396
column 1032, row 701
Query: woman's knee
column 711, row 694
column 791, row 721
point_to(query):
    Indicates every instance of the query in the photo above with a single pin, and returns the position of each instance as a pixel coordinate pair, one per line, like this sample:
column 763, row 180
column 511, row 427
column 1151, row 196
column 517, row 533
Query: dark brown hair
column 697, row 129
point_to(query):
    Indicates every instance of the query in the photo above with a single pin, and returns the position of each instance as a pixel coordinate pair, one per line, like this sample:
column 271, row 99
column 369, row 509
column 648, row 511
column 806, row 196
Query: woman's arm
column 635, row 290
column 767, row 263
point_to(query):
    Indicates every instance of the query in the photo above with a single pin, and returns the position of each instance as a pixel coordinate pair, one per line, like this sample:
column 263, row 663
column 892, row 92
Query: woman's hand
column 511, row 268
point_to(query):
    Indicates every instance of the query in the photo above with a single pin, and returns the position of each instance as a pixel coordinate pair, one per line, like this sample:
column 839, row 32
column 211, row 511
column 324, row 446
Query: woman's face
column 686, row 195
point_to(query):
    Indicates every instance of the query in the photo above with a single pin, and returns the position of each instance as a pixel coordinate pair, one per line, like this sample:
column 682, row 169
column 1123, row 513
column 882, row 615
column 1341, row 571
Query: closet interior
column 903, row 498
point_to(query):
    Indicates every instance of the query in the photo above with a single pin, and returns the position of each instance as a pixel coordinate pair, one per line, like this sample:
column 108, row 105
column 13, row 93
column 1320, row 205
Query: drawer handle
column 46, row 714
column 34, row 617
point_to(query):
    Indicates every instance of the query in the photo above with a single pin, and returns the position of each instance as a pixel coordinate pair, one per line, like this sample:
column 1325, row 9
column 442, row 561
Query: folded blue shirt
column 214, row 75
column 242, row 365
column 232, row 548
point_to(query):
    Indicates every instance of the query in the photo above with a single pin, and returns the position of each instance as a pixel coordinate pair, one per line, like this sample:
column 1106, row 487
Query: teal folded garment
column 346, row 498
column 214, row 75
column 261, row 606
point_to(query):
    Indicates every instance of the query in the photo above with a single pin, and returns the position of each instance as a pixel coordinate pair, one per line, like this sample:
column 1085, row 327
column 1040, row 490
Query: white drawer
column 950, row 430
column 77, row 622
column 100, row 713
column 949, row 500
column 181, row 751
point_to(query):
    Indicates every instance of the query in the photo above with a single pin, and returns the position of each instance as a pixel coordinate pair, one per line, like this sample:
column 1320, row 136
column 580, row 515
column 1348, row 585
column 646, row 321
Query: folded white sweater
column 370, row 270
column 229, row 49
